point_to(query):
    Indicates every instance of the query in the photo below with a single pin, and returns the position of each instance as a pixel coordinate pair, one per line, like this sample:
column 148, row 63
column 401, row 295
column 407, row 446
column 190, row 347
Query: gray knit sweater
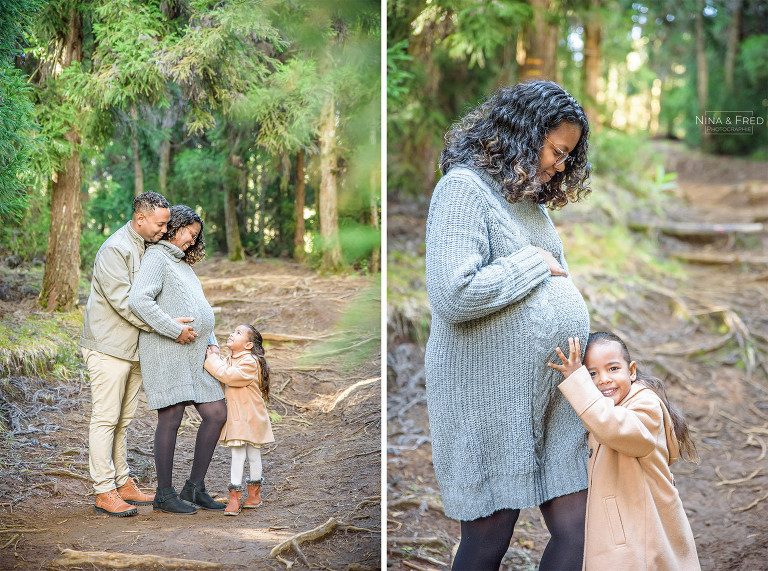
column 167, row 287
column 502, row 434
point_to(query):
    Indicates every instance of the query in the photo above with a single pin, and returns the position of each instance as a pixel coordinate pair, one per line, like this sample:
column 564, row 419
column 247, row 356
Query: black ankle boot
column 166, row 500
column 196, row 494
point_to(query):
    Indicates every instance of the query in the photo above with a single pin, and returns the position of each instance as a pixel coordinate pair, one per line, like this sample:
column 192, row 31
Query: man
column 109, row 342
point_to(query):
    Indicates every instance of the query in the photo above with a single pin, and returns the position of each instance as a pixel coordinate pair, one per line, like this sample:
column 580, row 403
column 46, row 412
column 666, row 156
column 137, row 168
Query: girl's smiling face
column 609, row 369
column 240, row 340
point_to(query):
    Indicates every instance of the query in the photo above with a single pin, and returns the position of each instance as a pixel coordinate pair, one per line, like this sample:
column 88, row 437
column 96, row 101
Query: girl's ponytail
column 258, row 352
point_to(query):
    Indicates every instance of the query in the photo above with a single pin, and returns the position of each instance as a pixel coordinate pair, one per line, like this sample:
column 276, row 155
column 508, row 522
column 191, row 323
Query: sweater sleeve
column 143, row 297
column 461, row 281
column 241, row 374
column 111, row 271
column 630, row 430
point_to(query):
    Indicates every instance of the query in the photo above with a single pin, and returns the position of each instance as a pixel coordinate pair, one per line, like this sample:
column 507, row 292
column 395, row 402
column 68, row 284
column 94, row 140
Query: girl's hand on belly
column 573, row 362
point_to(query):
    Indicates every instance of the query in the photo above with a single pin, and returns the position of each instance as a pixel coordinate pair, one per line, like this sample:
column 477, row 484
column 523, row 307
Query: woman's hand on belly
column 554, row 265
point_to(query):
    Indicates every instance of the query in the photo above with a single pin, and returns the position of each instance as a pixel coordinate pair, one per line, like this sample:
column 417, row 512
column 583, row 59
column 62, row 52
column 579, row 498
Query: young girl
column 635, row 519
column 245, row 374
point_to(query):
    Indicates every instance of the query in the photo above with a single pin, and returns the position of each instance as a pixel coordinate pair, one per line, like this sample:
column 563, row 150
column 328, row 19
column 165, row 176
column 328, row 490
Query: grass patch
column 408, row 315
column 36, row 345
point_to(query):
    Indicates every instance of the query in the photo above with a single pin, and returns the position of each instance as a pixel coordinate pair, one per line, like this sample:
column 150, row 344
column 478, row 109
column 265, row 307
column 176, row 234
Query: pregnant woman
column 503, row 436
column 173, row 374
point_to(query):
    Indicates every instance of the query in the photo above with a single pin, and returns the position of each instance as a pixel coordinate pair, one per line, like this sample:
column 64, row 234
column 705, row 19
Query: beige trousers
column 115, row 385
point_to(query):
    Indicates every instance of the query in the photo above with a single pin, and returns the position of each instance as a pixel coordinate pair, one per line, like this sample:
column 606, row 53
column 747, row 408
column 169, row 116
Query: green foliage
column 483, row 28
column 19, row 144
column 752, row 58
column 226, row 49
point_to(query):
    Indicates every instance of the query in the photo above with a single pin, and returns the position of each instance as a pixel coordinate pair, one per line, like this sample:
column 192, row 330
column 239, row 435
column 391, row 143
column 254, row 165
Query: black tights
column 214, row 415
column 484, row 541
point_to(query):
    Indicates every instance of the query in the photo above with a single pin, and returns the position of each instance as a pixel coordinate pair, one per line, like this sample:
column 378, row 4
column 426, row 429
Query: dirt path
column 325, row 462
column 706, row 334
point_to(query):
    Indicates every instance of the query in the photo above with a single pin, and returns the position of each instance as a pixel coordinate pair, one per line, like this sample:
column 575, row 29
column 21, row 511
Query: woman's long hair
column 504, row 136
column 182, row 216
column 258, row 351
column 679, row 426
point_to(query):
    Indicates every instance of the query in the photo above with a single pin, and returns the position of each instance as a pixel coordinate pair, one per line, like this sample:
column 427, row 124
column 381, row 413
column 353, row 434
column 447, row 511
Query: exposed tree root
column 310, row 535
column 70, row 557
column 753, row 504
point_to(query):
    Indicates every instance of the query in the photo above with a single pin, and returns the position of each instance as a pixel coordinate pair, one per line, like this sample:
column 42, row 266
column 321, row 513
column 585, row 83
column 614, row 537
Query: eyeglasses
column 561, row 157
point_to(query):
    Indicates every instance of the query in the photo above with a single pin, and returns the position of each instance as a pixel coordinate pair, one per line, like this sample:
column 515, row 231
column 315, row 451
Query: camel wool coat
column 635, row 519
column 247, row 418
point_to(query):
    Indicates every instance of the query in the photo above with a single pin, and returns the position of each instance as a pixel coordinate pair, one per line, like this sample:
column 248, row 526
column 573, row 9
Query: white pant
column 115, row 385
column 239, row 454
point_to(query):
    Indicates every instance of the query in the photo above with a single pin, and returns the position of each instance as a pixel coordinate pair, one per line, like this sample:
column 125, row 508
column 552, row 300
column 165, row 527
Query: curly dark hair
column 182, row 216
column 503, row 135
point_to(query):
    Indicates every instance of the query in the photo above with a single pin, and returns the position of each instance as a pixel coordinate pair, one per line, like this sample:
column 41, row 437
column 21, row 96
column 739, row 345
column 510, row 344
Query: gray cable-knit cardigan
column 167, row 287
column 503, row 437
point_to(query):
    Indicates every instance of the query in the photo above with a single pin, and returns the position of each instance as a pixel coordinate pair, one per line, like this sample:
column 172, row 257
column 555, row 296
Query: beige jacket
column 635, row 519
column 109, row 326
column 247, row 418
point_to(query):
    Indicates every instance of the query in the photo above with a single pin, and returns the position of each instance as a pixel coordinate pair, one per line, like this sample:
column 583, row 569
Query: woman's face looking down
column 562, row 139
column 186, row 236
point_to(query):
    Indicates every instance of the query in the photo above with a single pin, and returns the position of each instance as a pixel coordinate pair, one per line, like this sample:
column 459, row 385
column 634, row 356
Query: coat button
column 590, row 453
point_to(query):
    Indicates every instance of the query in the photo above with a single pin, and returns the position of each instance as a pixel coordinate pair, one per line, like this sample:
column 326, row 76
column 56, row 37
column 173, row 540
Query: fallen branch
column 70, row 557
column 337, row 351
column 683, row 229
column 345, row 393
column 415, row 540
column 66, row 474
column 715, row 258
column 414, row 501
column 724, row 482
column 417, row 567
column 753, row 504
column 21, row 530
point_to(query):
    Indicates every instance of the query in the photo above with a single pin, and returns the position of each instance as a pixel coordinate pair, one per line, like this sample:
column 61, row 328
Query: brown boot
column 131, row 494
column 235, row 500
column 253, row 500
column 111, row 503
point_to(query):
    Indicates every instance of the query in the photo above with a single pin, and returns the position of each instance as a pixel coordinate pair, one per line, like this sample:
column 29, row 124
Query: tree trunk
column 425, row 151
column 62, row 260
column 373, row 210
column 258, row 184
column 232, row 185
column 592, row 62
column 164, row 154
column 138, row 174
column 702, row 70
column 733, row 43
column 298, row 235
column 536, row 55
column 328, row 209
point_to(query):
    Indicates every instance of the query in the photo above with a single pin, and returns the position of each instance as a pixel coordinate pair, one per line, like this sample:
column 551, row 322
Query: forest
column 263, row 116
column 668, row 249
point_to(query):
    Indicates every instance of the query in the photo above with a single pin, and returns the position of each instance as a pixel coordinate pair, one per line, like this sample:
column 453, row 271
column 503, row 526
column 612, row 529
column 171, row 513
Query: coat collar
column 239, row 354
column 134, row 236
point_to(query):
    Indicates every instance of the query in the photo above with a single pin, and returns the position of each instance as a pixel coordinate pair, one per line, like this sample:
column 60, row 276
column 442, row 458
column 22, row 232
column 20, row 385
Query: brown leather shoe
column 131, row 494
column 253, row 500
column 235, row 500
column 111, row 503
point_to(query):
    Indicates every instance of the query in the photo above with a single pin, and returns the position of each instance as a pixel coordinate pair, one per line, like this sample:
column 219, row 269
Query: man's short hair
column 149, row 202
